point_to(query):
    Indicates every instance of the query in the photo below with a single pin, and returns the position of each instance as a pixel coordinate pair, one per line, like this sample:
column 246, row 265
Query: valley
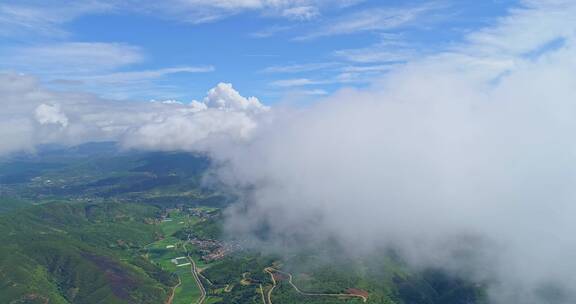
column 97, row 225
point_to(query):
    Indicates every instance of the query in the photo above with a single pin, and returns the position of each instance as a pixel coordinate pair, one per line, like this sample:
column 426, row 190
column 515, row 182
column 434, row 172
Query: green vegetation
column 76, row 223
column 207, row 229
column 93, row 225
column 8, row 204
column 232, row 269
column 163, row 251
column 80, row 253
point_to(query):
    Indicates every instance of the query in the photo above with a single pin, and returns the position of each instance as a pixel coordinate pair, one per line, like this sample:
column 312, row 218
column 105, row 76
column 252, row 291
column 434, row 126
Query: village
column 213, row 250
column 209, row 249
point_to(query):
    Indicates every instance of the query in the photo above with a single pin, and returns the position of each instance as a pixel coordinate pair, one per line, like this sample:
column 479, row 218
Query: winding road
column 262, row 293
column 271, row 271
column 267, row 269
column 194, row 271
column 171, row 298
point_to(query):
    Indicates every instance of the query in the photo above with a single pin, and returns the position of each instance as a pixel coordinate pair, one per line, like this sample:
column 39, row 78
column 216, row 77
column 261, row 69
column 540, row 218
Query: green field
column 188, row 291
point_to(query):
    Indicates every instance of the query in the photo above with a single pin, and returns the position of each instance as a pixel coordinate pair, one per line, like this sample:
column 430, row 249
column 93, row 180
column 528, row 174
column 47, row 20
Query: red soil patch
column 280, row 276
column 31, row 298
column 357, row 292
column 118, row 278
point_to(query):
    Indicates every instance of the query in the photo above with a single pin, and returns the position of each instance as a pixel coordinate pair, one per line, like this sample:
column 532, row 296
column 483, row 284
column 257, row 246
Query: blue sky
column 273, row 49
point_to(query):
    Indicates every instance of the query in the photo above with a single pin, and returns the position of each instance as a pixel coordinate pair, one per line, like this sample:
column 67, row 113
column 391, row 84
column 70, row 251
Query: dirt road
column 271, row 271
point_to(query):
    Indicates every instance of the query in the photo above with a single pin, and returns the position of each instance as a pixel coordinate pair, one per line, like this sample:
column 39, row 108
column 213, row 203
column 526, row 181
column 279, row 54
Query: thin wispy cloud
column 518, row 32
column 391, row 49
column 368, row 68
column 295, row 82
column 299, row 68
column 71, row 57
column 271, row 31
column 47, row 18
column 376, row 53
column 301, row 12
column 333, row 73
column 313, row 92
column 25, row 19
column 113, row 69
column 203, row 11
column 146, row 75
column 341, row 76
column 372, row 20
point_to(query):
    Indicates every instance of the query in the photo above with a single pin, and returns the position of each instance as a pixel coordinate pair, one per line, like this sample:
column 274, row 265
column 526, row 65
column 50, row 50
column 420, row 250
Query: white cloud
column 491, row 52
column 33, row 18
column 428, row 159
column 24, row 19
column 299, row 68
column 169, row 101
column 138, row 76
column 17, row 135
column 376, row 19
column 376, row 54
column 313, row 92
column 469, row 151
column 270, row 31
column 547, row 20
column 71, row 57
column 368, row 68
column 336, row 73
column 301, row 12
column 34, row 115
column 390, row 48
column 199, row 11
column 223, row 96
column 344, row 75
column 105, row 68
column 190, row 131
column 50, row 114
column 197, row 106
column 294, row 82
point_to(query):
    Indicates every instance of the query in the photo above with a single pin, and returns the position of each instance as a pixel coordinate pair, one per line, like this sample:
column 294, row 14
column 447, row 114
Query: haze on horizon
column 428, row 146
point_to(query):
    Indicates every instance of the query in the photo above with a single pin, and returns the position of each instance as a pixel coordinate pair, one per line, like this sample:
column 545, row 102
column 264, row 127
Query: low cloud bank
column 465, row 160
column 473, row 177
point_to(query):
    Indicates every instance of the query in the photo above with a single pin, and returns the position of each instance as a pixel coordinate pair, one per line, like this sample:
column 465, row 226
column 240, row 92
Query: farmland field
column 162, row 253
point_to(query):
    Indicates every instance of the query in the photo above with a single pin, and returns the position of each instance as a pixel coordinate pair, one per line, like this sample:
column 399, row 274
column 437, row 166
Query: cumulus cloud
column 50, row 114
column 35, row 115
column 223, row 114
column 190, row 131
column 223, row 96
